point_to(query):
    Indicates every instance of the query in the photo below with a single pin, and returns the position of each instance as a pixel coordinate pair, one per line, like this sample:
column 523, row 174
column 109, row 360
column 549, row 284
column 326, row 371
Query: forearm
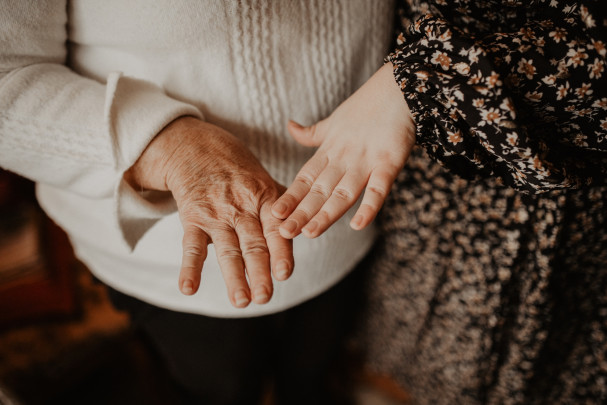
column 63, row 129
column 518, row 104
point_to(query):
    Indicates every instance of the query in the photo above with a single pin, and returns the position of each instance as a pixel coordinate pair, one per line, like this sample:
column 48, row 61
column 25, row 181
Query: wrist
column 396, row 99
column 150, row 171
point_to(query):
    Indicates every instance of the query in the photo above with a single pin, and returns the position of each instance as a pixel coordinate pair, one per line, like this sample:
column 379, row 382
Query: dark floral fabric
column 514, row 91
column 489, row 284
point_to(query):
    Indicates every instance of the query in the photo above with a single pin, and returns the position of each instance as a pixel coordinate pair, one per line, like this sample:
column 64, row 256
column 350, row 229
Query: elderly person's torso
column 248, row 67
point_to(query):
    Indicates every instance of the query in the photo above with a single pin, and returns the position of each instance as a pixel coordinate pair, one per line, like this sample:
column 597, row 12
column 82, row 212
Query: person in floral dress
column 489, row 281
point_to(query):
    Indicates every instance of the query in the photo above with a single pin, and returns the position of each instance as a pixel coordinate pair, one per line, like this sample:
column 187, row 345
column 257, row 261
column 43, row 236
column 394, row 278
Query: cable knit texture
column 86, row 85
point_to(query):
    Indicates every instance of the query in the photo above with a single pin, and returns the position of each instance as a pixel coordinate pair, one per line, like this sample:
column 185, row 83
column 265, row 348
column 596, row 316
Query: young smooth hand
column 362, row 145
column 224, row 196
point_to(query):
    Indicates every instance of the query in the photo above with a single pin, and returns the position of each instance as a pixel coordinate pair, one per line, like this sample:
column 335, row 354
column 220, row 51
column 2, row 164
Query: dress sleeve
column 511, row 90
column 71, row 132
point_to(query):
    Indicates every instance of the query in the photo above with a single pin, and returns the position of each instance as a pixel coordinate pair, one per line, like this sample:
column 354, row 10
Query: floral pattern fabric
column 489, row 284
column 518, row 92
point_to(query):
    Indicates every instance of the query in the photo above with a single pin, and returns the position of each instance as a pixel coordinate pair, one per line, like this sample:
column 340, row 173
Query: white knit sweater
column 73, row 124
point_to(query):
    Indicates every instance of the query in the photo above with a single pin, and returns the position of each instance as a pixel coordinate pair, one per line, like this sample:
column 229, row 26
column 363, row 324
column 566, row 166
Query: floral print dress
column 490, row 282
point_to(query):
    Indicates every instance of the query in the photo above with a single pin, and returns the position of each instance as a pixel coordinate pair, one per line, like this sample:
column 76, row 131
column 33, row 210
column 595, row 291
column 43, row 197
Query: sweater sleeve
column 71, row 132
column 516, row 91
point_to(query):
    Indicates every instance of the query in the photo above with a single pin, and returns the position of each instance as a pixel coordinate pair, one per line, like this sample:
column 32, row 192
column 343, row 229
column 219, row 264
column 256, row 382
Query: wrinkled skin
column 224, row 197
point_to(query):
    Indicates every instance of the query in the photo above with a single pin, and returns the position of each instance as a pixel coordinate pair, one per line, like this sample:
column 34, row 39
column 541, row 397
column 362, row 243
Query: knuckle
column 255, row 249
column 245, row 221
column 305, row 179
column 194, row 250
column 369, row 209
column 197, row 222
column 301, row 215
column 190, row 216
column 343, row 194
column 194, row 205
column 320, row 190
column 271, row 233
column 229, row 252
column 378, row 190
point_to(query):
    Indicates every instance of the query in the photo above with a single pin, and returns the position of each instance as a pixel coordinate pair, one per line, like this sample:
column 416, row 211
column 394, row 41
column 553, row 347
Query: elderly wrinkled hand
column 224, row 196
column 362, row 145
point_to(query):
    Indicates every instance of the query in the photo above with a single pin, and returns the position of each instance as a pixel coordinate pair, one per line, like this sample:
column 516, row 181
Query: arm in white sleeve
column 68, row 131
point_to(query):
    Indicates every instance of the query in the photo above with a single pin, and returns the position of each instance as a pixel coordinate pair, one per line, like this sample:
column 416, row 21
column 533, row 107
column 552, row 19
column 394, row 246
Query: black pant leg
column 313, row 337
column 216, row 361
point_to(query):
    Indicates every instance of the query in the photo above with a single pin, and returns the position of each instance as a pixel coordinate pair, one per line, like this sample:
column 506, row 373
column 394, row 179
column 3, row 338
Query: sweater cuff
column 136, row 111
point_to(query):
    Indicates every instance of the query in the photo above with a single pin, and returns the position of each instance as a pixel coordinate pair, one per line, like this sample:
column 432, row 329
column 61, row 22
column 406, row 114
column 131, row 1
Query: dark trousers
column 230, row 361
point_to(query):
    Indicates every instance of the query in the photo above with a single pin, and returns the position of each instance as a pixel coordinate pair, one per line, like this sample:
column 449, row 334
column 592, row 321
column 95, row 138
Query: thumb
column 306, row 136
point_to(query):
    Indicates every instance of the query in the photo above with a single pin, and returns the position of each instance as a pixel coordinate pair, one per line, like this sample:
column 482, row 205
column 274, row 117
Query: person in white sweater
column 156, row 134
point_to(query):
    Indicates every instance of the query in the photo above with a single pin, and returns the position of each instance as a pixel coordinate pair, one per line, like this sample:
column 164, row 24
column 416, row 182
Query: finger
column 306, row 136
column 194, row 244
column 343, row 197
column 281, row 249
column 296, row 192
column 256, row 258
column 230, row 261
column 377, row 190
column 319, row 193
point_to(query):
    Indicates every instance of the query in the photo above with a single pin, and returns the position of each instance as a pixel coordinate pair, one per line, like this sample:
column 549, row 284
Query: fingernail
column 260, row 295
column 282, row 270
column 241, row 299
column 187, row 287
column 357, row 221
column 311, row 227
column 280, row 207
column 290, row 226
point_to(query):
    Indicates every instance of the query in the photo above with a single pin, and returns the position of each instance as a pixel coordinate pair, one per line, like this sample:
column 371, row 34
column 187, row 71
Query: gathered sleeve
column 72, row 132
column 514, row 90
